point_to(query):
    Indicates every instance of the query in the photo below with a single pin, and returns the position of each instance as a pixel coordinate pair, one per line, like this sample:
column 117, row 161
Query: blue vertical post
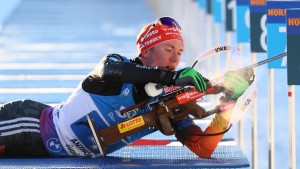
column 258, row 29
column 243, row 21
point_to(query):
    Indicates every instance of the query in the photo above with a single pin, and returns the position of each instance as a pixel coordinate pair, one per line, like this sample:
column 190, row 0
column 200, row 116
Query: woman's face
column 164, row 55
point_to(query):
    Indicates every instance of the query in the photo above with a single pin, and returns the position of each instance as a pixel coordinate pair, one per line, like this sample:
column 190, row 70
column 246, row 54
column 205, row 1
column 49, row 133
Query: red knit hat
column 158, row 33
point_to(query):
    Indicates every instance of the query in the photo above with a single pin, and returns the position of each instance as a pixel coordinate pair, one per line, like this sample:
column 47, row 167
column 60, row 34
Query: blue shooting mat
column 140, row 157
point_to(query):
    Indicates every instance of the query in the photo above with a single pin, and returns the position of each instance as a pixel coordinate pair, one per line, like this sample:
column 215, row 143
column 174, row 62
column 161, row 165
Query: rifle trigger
column 178, row 110
column 164, row 106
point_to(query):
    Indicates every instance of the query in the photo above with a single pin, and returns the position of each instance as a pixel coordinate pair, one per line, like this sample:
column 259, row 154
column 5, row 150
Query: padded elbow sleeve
column 134, row 73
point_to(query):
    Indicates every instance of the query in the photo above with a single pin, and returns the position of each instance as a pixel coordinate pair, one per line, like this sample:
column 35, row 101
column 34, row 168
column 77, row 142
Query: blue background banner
column 242, row 2
column 293, row 22
column 243, row 22
column 208, row 7
column 258, row 28
column 276, row 30
column 230, row 5
column 201, row 4
column 276, row 44
column 258, row 6
column 276, row 10
column 293, row 39
column 217, row 10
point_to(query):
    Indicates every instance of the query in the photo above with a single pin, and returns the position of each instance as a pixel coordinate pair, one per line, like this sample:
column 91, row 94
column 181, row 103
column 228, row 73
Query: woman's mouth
column 170, row 68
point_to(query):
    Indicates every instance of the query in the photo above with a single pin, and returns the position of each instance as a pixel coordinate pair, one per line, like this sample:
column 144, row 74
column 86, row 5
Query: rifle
column 164, row 111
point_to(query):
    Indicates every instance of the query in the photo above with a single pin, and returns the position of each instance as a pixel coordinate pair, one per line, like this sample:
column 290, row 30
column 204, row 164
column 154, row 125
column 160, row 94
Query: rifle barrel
column 265, row 61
